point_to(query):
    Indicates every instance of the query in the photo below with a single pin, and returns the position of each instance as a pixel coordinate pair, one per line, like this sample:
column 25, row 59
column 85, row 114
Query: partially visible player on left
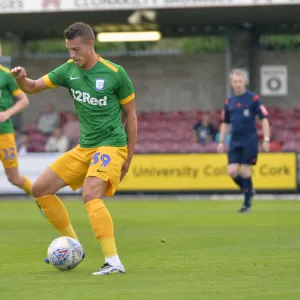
column 8, row 149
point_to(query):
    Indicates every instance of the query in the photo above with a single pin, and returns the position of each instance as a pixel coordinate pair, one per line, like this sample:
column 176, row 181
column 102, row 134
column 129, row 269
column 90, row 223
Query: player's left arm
column 262, row 113
column 126, row 96
column 130, row 118
column 21, row 103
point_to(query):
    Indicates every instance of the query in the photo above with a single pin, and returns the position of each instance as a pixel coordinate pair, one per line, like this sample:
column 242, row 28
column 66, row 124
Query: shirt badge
column 100, row 84
column 246, row 112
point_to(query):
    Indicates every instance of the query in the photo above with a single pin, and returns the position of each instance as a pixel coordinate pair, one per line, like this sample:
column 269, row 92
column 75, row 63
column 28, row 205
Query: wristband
column 267, row 139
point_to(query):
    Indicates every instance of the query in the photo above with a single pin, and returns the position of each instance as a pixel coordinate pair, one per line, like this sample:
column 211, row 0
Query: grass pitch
column 171, row 250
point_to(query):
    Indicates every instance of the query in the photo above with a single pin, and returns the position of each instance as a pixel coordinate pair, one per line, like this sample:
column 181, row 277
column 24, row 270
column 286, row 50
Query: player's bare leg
column 20, row 181
column 43, row 190
column 16, row 179
column 93, row 191
column 233, row 172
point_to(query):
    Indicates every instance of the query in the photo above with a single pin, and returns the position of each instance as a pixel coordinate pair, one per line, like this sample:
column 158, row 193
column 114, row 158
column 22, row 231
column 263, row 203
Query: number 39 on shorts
column 104, row 159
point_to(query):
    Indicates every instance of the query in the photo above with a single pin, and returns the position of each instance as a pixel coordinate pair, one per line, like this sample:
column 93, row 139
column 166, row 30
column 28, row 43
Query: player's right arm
column 224, row 128
column 53, row 79
column 28, row 86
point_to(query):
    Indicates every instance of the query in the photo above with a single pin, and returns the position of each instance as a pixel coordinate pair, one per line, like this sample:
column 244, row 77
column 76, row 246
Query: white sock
column 113, row 261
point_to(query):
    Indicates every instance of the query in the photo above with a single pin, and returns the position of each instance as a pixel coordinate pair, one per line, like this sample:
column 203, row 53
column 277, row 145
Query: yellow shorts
column 8, row 150
column 104, row 162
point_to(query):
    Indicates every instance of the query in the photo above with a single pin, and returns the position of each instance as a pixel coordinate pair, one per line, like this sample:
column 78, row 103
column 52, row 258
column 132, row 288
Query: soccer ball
column 65, row 253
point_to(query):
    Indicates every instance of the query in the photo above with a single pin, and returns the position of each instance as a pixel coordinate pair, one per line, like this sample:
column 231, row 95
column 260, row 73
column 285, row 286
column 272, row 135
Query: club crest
column 246, row 113
column 100, row 84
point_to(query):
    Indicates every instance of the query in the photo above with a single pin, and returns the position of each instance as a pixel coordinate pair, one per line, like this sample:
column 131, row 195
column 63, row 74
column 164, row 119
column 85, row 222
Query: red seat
column 193, row 115
column 280, row 135
column 211, row 147
column 275, row 146
column 289, row 146
column 144, row 124
column 157, row 115
column 31, row 149
column 173, row 147
column 175, row 116
column 146, row 136
column 31, row 127
column 172, row 131
column 63, row 118
column 37, row 137
column 142, row 116
column 140, row 148
column 40, row 148
column 278, row 124
column 193, row 148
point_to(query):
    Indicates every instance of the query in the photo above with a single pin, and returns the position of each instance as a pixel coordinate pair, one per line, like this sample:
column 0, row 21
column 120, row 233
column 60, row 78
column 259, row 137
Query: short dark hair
column 79, row 29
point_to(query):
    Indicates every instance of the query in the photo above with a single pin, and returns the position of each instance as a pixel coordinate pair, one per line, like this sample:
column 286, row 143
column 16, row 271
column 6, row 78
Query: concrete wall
column 174, row 82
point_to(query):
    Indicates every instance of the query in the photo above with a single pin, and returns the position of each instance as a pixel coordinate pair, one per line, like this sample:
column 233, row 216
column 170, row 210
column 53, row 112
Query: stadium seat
column 37, row 137
column 211, row 147
column 173, row 148
column 193, row 115
column 278, row 124
column 157, row 115
column 175, row 116
column 161, row 131
column 31, row 127
column 40, row 148
column 142, row 115
column 275, row 146
column 280, row 135
column 289, row 146
column 193, row 148
column 30, row 149
column 63, row 118
column 143, row 124
column 140, row 148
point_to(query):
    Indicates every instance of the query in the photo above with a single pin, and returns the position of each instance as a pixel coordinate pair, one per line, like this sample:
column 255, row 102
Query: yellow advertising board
column 206, row 172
